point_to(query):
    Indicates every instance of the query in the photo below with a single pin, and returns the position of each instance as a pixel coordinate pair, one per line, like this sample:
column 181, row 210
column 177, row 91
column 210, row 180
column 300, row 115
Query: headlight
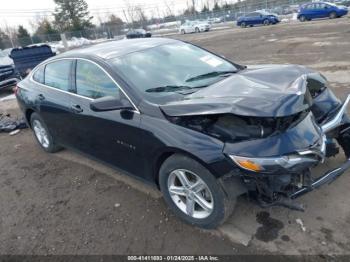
column 271, row 164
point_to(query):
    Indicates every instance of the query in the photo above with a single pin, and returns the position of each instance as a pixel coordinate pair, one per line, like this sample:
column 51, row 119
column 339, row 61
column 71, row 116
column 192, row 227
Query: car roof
column 112, row 49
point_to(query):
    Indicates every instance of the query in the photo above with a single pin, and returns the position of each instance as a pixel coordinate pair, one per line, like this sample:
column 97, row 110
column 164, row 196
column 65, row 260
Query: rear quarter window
column 38, row 75
column 57, row 74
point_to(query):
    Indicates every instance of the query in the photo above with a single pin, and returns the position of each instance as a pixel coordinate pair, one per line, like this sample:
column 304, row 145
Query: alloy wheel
column 41, row 133
column 190, row 193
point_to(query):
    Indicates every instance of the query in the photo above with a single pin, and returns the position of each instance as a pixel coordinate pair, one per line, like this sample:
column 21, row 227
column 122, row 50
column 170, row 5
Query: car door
column 258, row 18
column 248, row 19
column 320, row 10
column 185, row 27
column 254, row 18
column 53, row 98
column 326, row 10
column 190, row 28
column 112, row 136
column 311, row 11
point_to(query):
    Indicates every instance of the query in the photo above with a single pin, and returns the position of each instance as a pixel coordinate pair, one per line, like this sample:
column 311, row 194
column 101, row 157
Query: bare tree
column 169, row 7
column 130, row 11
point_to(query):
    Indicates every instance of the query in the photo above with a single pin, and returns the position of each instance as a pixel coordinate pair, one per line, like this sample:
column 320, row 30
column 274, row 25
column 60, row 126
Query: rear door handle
column 41, row 97
column 76, row 109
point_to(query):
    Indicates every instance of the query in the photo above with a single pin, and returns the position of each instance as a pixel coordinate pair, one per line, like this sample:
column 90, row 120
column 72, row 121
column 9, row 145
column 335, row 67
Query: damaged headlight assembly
column 272, row 164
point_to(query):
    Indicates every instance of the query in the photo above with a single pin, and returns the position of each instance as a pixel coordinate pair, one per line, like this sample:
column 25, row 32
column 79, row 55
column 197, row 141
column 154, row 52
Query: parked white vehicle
column 194, row 27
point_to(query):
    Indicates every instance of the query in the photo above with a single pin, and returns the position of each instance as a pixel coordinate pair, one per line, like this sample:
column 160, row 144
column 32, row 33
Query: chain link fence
column 160, row 26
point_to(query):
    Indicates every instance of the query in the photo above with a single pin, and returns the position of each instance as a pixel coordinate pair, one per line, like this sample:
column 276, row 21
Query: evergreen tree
column 45, row 31
column 72, row 15
column 4, row 40
column 216, row 7
column 205, row 9
column 23, row 36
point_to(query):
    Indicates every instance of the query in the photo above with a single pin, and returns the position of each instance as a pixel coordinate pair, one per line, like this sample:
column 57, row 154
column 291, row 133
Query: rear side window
column 93, row 82
column 57, row 74
column 39, row 75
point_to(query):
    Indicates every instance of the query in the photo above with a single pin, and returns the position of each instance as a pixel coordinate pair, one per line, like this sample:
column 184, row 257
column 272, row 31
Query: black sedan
column 138, row 33
column 203, row 129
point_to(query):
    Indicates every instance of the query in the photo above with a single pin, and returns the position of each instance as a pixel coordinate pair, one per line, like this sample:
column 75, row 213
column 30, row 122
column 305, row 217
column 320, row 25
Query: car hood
column 263, row 90
column 5, row 61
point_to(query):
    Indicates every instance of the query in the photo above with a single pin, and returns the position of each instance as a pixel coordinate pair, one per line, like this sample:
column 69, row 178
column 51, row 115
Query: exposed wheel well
column 29, row 112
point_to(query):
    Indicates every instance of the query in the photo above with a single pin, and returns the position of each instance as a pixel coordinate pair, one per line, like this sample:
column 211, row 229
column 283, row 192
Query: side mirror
column 109, row 103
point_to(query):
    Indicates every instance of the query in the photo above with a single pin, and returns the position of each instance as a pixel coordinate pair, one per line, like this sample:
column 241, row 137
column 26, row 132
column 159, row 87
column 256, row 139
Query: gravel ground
column 67, row 204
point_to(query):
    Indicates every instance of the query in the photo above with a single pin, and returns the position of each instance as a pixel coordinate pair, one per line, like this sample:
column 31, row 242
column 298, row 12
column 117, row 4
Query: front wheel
column 193, row 193
column 333, row 15
column 197, row 30
column 243, row 25
column 42, row 134
column 266, row 22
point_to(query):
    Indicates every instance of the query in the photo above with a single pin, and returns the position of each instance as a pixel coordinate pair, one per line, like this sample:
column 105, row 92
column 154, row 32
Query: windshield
column 172, row 68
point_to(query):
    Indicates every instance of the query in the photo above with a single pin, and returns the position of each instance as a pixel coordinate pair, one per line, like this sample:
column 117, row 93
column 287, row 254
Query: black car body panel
column 138, row 33
column 250, row 92
column 261, row 112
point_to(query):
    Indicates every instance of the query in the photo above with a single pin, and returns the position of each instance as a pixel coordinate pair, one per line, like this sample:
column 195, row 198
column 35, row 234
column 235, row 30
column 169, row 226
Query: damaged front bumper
column 288, row 175
column 330, row 176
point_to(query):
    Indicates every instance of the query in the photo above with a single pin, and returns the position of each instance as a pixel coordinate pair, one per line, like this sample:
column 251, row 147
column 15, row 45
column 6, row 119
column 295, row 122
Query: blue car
column 316, row 10
column 257, row 18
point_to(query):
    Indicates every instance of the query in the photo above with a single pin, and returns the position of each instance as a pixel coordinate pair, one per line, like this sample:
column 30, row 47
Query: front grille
column 5, row 72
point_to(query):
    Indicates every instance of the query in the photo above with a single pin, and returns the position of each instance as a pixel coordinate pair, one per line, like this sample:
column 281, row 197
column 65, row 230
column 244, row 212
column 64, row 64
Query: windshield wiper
column 171, row 88
column 211, row 74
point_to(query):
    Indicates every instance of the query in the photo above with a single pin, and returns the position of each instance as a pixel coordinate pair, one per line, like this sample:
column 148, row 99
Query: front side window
column 172, row 67
column 57, row 74
column 93, row 82
column 38, row 76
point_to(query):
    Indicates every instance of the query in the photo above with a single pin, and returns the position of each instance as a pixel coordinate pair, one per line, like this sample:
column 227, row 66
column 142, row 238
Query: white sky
column 15, row 12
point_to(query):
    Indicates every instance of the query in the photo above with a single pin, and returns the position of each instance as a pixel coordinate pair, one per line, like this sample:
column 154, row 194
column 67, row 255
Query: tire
column 183, row 31
column 243, row 25
column 266, row 22
column 197, row 30
column 302, row 18
column 42, row 134
column 333, row 15
column 218, row 205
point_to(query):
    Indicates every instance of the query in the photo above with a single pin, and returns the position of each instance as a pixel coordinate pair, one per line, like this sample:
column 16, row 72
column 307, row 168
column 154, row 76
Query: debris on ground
column 300, row 222
column 9, row 124
column 116, row 205
column 14, row 132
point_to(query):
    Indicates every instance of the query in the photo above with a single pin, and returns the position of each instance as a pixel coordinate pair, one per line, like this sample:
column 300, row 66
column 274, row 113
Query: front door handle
column 76, row 109
column 41, row 97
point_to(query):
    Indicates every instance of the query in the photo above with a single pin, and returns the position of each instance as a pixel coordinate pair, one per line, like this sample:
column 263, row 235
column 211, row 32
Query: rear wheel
column 42, row 134
column 197, row 30
column 183, row 31
column 193, row 193
column 302, row 18
column 333, row 15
